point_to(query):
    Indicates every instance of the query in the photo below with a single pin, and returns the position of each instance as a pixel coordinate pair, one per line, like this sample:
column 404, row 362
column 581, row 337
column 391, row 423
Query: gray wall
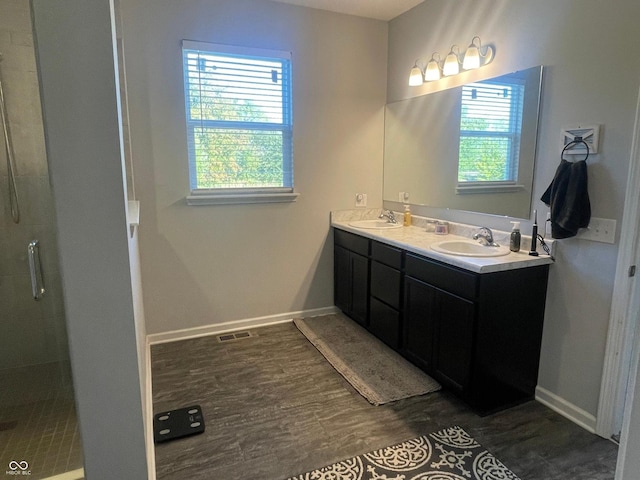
column 591, row 76
column 78, row 80
column 213, row 264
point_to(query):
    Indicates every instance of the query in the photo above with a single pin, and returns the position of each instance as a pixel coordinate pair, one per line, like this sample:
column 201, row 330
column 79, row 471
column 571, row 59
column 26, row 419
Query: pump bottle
column 514, row 241
column 407, row 216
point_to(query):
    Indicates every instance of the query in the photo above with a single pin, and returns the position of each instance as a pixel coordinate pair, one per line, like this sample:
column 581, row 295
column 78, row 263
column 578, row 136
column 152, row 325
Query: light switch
column 599, row 230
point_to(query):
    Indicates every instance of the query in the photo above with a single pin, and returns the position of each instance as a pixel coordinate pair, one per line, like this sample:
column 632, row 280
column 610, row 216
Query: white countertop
column 417, row 240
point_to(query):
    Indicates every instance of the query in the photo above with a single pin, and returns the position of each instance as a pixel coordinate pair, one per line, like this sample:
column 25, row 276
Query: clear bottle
column 407, row 216
column 514, row 241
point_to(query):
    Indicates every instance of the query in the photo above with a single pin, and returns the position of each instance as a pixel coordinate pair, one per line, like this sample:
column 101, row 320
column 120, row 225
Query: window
column 239, row 124
column 490, row 130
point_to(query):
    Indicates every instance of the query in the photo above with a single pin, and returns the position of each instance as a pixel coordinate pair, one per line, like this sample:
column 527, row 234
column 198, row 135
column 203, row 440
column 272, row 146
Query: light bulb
column 471, row 58
column 451, row 64
column 415, row 77
column 432, row 71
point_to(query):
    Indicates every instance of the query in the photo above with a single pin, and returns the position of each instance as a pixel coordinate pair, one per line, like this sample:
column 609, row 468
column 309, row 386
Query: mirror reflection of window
column 422, row 148
column 490, row 131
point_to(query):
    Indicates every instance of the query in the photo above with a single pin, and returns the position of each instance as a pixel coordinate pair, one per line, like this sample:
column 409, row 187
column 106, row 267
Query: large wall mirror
column 467, row 148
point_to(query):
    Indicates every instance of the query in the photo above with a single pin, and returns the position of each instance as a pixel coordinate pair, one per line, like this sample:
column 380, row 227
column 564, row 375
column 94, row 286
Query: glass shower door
column 38, row 429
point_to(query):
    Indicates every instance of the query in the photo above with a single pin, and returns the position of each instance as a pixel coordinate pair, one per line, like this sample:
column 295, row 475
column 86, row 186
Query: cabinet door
column 453, row 340
column 359, row 288
column 342, row 279
column 351, row 283
column 417, row 324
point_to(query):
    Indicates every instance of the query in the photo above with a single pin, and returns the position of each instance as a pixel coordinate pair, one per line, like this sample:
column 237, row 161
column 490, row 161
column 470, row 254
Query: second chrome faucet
column 485, row 237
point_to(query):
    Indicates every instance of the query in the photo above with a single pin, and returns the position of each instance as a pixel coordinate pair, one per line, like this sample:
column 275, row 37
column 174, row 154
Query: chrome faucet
column 391, row 218
column 485, row 237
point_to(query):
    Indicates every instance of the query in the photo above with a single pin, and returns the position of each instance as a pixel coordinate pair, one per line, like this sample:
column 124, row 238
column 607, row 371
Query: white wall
column 214, row 264
column 78, row 80
column 591, row 76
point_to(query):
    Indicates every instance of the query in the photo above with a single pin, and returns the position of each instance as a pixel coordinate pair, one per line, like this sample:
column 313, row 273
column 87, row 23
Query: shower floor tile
column 43, row 431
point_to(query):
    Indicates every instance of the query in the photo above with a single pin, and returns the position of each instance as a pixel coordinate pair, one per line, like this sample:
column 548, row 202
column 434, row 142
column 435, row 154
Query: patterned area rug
column 450, row 454
column 377, row 372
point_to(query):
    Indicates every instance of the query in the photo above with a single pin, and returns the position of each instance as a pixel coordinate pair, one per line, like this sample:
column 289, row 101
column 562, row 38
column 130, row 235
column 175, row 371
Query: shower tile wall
column 31, row 333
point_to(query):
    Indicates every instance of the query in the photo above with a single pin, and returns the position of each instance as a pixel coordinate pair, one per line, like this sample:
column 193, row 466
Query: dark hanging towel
column 569, row 199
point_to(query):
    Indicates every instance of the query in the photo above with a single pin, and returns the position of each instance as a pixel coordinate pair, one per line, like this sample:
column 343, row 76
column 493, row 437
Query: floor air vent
column 230, row 337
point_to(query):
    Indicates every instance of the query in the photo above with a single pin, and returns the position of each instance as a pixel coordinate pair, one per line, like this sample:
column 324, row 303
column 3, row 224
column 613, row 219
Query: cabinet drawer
column 384, row 323
column 351, row 242
column 385, row 284
column 459, row 282
column 390, row 256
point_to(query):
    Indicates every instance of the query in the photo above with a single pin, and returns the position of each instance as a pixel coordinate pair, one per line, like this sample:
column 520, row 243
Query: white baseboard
column 218, row 328
column 567, row 409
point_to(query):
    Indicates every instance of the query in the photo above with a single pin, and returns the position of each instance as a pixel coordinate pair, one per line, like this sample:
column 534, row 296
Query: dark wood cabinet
column 482, row 332
column 479, row 334
column 438, row 333
column 351, row 275
column 442, row 299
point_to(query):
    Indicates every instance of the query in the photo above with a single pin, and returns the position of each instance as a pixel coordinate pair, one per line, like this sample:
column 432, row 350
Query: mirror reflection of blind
column 239, row 120
column 490, row 129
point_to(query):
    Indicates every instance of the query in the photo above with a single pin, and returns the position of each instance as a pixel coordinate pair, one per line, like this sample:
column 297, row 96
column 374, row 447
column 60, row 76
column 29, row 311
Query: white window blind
column 490, row 130
column 239, row 119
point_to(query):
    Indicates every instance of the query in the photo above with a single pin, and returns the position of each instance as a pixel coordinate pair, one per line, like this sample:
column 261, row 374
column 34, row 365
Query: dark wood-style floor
column 275, row 408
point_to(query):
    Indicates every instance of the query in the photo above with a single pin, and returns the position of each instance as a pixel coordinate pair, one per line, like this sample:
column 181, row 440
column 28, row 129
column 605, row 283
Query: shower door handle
column 35, row 267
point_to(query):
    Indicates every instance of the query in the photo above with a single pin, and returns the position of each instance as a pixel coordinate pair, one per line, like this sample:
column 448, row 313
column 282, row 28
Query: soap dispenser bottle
column 514, row 241
column 407, row 216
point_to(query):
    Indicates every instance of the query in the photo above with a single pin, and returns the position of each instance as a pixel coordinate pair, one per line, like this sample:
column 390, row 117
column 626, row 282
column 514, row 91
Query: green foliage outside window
column 490, row 125
column 236, row 109
column 481, row 158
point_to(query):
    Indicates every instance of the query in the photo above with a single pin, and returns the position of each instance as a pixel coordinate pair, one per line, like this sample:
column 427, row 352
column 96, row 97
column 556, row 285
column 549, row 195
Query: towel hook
column 573, row 142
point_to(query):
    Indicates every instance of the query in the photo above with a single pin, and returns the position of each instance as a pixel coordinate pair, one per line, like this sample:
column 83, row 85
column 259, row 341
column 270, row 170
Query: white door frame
column 622, row 319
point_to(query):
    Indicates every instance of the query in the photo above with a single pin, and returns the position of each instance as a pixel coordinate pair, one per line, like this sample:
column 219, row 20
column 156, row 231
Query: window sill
column 240, row 198
column 488, row 188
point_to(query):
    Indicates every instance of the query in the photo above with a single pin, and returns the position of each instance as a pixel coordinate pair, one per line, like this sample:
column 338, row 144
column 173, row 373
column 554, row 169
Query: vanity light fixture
column 473, row 57
column 416, row 78
column 476, row 56
column 452, row 62
column 433, row 69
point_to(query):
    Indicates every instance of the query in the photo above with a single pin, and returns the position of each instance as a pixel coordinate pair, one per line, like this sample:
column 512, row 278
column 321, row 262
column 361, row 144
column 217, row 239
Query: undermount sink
column 378, row 224
column 467, row 248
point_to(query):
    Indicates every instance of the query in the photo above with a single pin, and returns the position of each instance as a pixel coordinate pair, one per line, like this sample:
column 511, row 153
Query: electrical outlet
column 361, row 199
column 599, row 230
column 403, row 197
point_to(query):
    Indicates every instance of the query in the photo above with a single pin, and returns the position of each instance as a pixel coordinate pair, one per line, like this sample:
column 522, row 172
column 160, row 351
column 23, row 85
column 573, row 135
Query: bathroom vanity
column 474, row 324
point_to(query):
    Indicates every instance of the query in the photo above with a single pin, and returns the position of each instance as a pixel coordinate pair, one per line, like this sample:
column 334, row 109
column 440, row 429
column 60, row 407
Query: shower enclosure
column 38, row 428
